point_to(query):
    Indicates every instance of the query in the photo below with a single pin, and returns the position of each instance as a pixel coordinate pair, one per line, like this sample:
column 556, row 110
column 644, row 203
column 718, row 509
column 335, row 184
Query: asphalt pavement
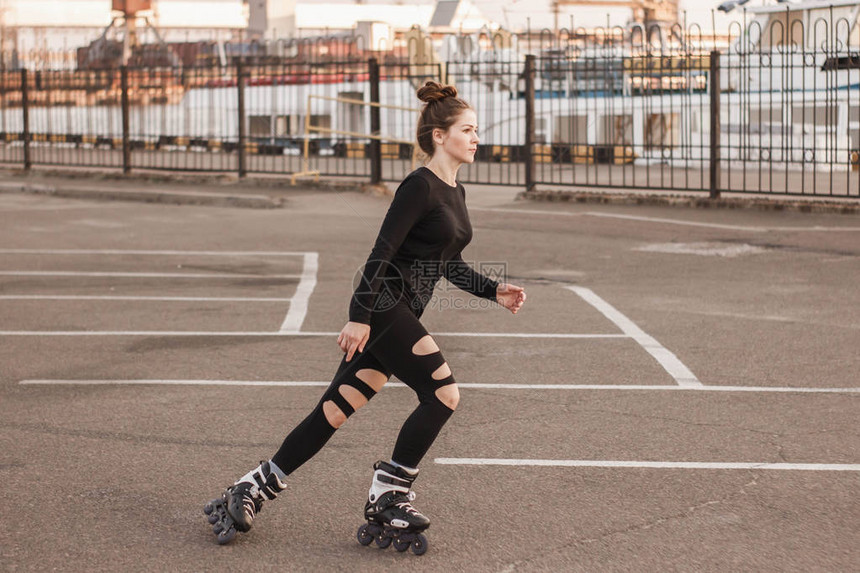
column 680, row 391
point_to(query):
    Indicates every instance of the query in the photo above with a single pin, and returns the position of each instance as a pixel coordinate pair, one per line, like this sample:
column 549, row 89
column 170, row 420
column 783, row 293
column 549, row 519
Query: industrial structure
column 663, row 13
column 591, row 105
column 54, row 25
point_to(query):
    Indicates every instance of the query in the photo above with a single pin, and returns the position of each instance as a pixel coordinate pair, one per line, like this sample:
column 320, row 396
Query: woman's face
column 460, row 142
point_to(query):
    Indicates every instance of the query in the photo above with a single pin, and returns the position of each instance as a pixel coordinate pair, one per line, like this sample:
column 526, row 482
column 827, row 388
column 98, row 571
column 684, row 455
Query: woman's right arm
column 408, row 206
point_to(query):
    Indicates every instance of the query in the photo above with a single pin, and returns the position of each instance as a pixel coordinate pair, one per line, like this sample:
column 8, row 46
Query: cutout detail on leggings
column 425, row 346
column 442, row 372
column 373, row 378
column 355, row 398
column 334, row 415
column 449, row 395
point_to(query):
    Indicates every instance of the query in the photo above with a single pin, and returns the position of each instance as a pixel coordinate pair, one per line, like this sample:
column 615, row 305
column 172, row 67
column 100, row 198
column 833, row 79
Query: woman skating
column 421, row 239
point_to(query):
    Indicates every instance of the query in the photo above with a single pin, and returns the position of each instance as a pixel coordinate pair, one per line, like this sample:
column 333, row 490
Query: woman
column 421, row 239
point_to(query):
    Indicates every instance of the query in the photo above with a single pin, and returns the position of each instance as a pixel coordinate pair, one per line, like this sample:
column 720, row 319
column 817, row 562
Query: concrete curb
column 231, row 196
column 148, row 196
column 753, row 203
column 220, row 180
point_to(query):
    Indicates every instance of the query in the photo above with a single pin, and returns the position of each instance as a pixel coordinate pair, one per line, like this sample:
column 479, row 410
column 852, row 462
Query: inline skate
column 237, row 507
column 391, row 519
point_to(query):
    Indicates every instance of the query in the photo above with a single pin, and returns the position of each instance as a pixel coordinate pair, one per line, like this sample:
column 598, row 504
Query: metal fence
column 766, row 109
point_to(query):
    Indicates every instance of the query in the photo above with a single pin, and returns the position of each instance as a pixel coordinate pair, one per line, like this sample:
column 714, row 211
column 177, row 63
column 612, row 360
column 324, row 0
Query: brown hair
column 442, row 106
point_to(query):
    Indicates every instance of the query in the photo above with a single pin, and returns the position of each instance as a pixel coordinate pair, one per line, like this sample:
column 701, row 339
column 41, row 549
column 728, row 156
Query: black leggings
column 389, row 350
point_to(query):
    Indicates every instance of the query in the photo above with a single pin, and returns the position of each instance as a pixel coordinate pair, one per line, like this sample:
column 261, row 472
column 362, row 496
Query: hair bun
column 434, row 91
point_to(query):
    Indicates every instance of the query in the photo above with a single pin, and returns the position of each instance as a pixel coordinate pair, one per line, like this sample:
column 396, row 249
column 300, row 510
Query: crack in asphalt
column 572, row 409
column 780, row 451
column 131, row 438
column 790, row 248
column 657, row 521
column 701, row 424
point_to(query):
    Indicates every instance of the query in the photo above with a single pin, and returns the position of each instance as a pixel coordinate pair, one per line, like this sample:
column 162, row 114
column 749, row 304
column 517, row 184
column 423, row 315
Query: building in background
column 67, row 24
column 278, row 19
column 61, row 25
column 30, row 27
column 271, row 18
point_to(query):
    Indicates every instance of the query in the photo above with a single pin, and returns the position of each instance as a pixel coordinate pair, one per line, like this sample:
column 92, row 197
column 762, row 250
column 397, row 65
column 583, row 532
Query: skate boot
column 389, row 512
column 239, row 504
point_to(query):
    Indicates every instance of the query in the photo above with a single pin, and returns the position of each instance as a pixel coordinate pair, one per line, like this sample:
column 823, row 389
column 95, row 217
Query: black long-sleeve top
column 421, row 239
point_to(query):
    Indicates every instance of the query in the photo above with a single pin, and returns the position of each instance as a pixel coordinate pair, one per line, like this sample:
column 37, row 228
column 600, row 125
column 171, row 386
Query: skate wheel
column 217, row 528
column 383, row 541
column 208, row 508
column 363, row 536
column 419, row 545
column 213, row 518
column 400, row 545
column 226, row 536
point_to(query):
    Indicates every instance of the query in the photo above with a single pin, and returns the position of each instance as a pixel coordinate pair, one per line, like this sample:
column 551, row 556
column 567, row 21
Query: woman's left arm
column 463, row 276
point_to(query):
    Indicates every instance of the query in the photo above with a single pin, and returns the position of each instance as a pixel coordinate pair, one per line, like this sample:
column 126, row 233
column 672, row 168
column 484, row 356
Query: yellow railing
column 307, row 171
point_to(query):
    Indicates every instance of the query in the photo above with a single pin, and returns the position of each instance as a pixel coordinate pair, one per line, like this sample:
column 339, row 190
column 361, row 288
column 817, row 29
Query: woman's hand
column 353, row 337
column 510, row 296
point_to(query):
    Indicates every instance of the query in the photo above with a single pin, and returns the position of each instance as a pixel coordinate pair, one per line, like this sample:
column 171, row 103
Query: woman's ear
column 438, row 136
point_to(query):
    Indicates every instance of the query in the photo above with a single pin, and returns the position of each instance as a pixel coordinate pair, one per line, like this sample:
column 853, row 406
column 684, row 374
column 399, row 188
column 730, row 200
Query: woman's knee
column 449, row 395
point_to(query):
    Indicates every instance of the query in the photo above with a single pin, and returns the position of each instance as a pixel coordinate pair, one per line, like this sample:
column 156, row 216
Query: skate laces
column 407, row 507
column 250, row 506
column 405, row 503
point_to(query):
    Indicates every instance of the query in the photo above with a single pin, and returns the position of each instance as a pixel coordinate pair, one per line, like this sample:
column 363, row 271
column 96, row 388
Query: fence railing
column 620, row 112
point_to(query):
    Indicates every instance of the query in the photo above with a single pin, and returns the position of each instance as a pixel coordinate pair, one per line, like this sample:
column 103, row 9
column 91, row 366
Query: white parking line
column 150, row 252
column 682, row 375
column 142, row 275
column 816, row 229
column 291, row 383
column 143, row 298
column 528, row 335
column 667, row 221
column 279, row 334
column 650, row 465
column 466, row 385
column 299, row 305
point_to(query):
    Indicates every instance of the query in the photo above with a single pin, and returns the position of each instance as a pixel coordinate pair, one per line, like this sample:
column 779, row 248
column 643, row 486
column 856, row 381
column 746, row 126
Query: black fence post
column 528, row 155
column 126, row 144
column 714, row 88
column 25, row 110
column 375, row 124
column 240, row 85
